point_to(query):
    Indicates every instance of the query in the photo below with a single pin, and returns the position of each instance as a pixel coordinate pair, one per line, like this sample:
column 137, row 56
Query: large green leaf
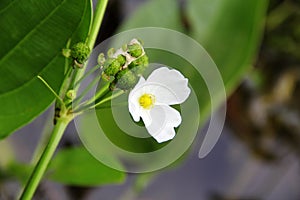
column 230, row 30
column 73, row 166
column 33, row 33
column 77, row 166
column 156, row 13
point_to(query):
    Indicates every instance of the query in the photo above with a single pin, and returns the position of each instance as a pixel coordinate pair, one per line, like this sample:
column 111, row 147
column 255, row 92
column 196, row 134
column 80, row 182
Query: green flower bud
column 80, row 52
column 101, row 59
column 121, row 59
column 111, row 52
column 125, row 80
column 71, row 94
column 66, row 53
column 135, row 50
column 112, row 67
column 139, row 65
column 143, row 60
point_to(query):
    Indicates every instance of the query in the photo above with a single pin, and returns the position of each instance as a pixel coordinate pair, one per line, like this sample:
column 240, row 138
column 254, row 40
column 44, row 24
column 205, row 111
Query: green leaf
column 156, row 13
column 33, row 34
column 77, row 166
column 6, row 153
column 230, row 30
column 74, row 166
column 18, row 171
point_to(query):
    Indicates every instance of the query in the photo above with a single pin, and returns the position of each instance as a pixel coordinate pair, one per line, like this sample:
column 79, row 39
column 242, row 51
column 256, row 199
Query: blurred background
column 257, row 156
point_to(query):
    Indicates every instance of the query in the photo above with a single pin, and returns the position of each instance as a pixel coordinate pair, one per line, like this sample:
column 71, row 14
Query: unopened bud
column 121, row 59
column 135, row 50
column 139, row 65
column 111, row 52
column 101, row 59
column 71, row 94
column 112, row 67
column 125, row 80
column 66, row 53
column 80, row 52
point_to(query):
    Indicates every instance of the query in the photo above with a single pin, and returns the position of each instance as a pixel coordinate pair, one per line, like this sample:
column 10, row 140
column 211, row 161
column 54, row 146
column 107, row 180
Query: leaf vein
column 32, row 31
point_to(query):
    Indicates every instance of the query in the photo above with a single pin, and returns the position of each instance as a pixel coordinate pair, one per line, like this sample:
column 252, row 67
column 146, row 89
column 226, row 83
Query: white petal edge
column 168, row 134
column 164, row 120
column 168, row 86
column 133, row 106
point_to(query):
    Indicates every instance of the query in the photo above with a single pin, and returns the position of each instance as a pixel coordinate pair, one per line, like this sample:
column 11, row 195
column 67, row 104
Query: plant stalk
column 98, row 17
column 97, row 20
column 43, row 162
column 64, row 120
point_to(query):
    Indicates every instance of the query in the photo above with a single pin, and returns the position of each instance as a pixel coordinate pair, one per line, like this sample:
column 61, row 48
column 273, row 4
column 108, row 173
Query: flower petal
column 133, row 105
column 146, row 116
column 167, row 134
column 168, row 86
column 164, row 119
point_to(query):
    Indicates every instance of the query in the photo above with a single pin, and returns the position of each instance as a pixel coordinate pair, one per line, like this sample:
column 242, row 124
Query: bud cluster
column 124, row 65
column 79, row 53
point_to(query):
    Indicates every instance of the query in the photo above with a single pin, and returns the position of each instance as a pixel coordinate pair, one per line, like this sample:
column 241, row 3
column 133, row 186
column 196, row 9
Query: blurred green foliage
column 265, row 111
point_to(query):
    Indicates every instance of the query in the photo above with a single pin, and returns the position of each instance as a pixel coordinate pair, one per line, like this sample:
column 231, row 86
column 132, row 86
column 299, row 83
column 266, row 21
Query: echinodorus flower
column 151, row 99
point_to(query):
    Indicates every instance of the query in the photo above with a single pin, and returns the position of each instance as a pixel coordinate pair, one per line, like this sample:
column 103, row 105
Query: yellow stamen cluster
column 147, row 101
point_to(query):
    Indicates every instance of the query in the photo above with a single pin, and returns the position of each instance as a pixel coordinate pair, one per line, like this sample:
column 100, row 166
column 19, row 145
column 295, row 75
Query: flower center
column 147, row 101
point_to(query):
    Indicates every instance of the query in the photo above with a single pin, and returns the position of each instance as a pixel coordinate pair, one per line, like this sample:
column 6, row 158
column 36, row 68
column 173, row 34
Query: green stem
column 88, row 103
column 116, row 105
column 95, row 68
column 68, row 74
column 44, row 138
column 76, row 102
column 103, row 90
column 107, row 99
column 42, row 164
column 64, row 120
column 98, row 17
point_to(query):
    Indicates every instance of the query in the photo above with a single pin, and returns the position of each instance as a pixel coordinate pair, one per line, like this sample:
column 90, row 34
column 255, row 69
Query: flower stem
column 42, row 164
column 76, row 102
column 107, row 99
column 88, row 73
column 103, row 90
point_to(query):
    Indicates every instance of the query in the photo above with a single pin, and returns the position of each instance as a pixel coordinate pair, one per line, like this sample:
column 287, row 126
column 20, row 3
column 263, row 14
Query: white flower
column 150, row 100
